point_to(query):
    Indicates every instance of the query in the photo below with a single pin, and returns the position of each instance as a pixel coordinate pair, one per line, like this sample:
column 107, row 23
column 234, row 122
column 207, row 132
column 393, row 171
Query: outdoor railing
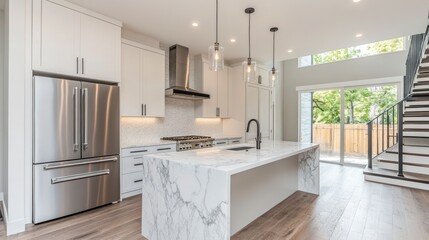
column 393, row 118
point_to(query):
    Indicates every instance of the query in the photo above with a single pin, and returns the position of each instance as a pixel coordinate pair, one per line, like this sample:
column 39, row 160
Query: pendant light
column 250, row 64
column 273, row 72
column 216, row 56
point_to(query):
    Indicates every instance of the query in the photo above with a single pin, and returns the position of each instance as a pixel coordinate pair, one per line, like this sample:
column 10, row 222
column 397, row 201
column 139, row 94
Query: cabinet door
column 252, row 109
column 264, row 112
column 264, row 77
column 153, row 83
column 100, row 49
column 210, row 87
column 57, row 48
column 222, row 92
column 131, row 101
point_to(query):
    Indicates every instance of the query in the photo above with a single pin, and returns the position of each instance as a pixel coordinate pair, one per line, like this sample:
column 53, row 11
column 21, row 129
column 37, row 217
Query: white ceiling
column 306, row 26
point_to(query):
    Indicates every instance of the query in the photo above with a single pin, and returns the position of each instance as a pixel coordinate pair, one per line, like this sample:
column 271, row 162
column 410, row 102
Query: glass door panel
column 360, row 106
column 327, row 124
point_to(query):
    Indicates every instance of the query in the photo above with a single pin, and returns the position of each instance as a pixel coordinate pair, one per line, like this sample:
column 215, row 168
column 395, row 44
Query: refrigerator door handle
column 85, row 119
column 56, row 166
column 79, row 176
column 76, row 119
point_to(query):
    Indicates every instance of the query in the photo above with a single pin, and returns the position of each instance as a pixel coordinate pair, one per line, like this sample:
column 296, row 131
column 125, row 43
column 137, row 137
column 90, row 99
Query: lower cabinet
column 132, row 167
column 226, row 141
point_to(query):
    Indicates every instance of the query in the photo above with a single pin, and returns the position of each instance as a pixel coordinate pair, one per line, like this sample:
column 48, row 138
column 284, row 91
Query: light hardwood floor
column 347, row 208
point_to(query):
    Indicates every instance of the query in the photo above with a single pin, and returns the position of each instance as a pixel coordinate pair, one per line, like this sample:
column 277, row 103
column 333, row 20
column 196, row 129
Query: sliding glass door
column 336, row 119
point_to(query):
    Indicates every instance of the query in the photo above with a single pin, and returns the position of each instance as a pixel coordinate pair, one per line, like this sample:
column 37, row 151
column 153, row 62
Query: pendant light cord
column 217, row 16
column 274, row 47
column 249, row 35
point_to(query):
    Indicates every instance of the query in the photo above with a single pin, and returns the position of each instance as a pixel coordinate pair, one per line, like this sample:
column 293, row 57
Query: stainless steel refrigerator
column 75, row 147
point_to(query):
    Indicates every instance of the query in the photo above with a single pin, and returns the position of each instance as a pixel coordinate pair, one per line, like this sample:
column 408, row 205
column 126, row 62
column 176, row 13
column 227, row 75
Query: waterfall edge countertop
column 212, row 193
column 232, row 162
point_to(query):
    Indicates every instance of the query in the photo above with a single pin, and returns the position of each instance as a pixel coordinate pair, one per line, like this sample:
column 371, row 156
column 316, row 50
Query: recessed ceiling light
column 232, row 40
column 195, row 24
column 356, row 1
column 290, row 50
column 359, row 35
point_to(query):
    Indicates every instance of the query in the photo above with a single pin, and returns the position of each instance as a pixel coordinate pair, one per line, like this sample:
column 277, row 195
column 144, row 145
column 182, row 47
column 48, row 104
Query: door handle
column 142, row 109
column 79, row 176
column 75, row 130
column 56, row 166
column 145, row 113
column 85, row 119
column 217, row 112
column 83, row 65
column 77, row 65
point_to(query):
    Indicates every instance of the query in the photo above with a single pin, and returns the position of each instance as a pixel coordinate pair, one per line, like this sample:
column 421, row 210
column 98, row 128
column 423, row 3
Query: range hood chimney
column 179, row 76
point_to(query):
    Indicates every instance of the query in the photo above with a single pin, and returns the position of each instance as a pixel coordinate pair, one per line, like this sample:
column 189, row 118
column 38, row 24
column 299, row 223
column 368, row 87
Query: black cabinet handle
column 163, row 149
column 138, row 164
column 140, row 180
column 139, row 151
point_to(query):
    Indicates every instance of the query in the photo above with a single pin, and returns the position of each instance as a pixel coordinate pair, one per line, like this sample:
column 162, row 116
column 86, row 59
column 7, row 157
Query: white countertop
column 149, row 143
column 233, row 162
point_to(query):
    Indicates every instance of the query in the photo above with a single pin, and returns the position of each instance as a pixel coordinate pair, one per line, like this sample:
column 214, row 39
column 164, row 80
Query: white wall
column 18, row 80
column 2, row 159
column 379, row 66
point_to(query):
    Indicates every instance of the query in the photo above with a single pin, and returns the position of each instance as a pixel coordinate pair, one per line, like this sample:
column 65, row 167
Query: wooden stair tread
column 413, row 177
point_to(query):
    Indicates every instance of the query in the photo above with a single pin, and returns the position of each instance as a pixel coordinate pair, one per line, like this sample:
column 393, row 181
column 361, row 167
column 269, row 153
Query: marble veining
column 183, row 202
column 308, row 171
column 232, row 162
column 186, row 195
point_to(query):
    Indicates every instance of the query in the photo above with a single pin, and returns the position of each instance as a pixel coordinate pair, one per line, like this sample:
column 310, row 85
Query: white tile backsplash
column 179, row 120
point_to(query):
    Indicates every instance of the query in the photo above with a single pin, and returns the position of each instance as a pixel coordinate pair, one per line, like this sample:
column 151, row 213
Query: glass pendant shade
column 273, row 77
column 216, row 57
column 250, row 73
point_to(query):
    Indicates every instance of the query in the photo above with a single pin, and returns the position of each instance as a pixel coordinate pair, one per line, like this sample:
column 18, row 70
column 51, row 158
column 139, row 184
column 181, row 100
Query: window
column 392, row 45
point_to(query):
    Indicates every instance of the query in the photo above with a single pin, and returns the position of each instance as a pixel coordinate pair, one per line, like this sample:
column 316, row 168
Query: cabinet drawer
column 132, row 164
column 220, row 142
column 139, row 151
column 132, row 181
column 234, row 141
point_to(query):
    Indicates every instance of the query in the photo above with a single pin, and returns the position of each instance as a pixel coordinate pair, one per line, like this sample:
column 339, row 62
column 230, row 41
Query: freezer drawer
column 61, row 189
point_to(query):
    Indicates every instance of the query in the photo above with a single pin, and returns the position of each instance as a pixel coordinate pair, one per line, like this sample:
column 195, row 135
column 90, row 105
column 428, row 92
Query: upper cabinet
column 73, row 41
column 262, row 76
column 143, row 80
column 214, row 83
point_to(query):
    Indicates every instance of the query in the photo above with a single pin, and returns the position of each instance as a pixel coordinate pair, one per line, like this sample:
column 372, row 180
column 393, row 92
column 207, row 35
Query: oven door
column 64, row 188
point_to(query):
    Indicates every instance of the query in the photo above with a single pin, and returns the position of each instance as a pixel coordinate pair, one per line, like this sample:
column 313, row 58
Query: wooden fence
column 355, row 138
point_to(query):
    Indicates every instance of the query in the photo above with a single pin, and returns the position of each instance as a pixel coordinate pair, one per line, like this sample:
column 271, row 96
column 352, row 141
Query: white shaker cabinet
column 215, row 83
column 259, row 105
column 72, row 41
column 143, row 81
column 100, row 49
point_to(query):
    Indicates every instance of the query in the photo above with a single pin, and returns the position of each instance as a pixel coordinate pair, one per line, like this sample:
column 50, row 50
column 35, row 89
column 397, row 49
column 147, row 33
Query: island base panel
column 256, row 191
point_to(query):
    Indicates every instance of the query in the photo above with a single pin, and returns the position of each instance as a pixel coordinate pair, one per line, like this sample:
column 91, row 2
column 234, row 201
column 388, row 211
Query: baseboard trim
column 397, row 182
column 13, row 227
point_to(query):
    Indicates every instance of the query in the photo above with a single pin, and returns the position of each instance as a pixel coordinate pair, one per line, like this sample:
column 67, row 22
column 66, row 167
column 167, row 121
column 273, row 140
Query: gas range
column 191, row 142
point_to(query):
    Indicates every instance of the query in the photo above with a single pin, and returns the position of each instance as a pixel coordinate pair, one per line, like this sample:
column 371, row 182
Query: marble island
column 213, row 193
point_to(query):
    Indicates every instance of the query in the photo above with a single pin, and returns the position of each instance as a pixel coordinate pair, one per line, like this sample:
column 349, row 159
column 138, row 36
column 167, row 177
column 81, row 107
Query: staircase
column 403, row 156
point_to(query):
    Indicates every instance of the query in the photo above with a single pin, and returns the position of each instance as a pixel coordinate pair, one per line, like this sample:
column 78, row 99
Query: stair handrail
column 417, row 47
column 397, row 111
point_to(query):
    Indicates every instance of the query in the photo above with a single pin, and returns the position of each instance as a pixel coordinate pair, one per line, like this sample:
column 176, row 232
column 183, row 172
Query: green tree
column 360, row 104
column 391, row 45
column 336, row 55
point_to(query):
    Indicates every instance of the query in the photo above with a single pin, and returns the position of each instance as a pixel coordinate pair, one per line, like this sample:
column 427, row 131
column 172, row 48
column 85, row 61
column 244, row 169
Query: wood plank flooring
column 347, row 208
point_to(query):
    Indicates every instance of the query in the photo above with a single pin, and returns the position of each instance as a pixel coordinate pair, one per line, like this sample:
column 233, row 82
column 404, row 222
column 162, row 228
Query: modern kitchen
column 178, row 122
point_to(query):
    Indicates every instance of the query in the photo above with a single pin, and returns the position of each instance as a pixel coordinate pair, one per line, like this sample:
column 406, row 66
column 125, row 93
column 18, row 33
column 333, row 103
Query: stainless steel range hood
column 179, row 76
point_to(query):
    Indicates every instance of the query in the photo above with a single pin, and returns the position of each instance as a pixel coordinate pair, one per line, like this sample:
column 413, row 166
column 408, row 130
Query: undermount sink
column 240, row 148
